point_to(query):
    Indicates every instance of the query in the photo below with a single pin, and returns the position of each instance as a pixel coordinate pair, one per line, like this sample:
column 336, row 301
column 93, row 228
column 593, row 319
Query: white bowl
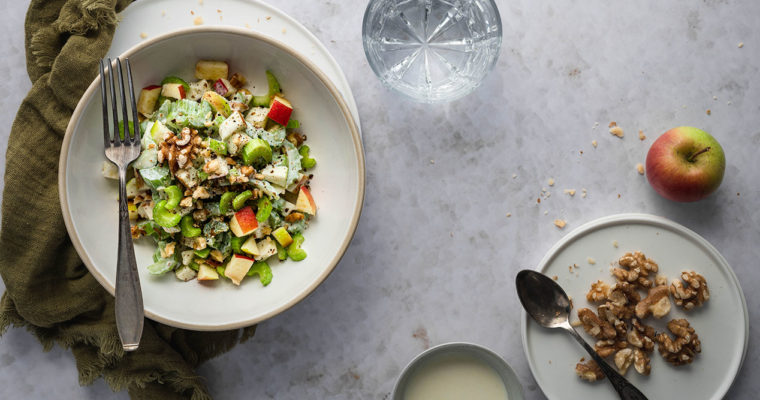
column 89, row 201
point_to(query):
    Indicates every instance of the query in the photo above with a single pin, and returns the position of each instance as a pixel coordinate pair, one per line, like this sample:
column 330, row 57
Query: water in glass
column 432, row 50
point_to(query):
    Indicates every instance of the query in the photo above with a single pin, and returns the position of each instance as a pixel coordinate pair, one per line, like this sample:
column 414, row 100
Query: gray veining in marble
column 435, row 255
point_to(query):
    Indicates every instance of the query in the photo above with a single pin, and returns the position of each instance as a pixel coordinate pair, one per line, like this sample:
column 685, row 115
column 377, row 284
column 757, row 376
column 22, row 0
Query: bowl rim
column 353, row 128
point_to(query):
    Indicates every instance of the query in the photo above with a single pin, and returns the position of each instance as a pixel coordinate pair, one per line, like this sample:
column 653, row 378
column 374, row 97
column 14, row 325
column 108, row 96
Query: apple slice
column 305, row 202
column 173, row 90
column 146, row 103
column 280, row 110
column 218, row 103
column 244, row 222
column 282, row 236
column 237, row 268
column 211, row 70
column 207, row 273
column 267, row 248
column 224, row 87
column 250, row 247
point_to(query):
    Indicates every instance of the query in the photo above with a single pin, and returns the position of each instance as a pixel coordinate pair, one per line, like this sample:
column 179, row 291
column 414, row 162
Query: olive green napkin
column 48, row 289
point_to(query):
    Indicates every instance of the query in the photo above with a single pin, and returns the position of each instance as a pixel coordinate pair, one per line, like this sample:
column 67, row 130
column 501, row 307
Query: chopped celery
column 239, row 201
column 293, row 124
column 262, row 269
column 226, row 202
column 306, row 161
column 295, row 252
column 236, row 243
column 264, row 209
column 162, row 266
column 156, row 177
column 188, row 230
column 217, row 146
column 202, row 253
column 282, row 254
column 174, row 195
column 164, row 217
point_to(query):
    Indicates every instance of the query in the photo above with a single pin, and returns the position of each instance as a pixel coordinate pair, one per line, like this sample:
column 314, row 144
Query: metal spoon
column 548, row 304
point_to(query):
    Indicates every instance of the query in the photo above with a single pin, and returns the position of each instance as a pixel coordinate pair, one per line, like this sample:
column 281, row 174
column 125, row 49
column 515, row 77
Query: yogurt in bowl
column 454, row 371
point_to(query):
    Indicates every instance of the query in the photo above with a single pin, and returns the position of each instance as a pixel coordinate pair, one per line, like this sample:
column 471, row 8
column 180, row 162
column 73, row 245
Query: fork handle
column 129, row 302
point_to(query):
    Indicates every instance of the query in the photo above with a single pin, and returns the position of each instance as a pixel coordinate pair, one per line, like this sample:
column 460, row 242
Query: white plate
column 89, row 201
column 722, row 323
column 156, row 17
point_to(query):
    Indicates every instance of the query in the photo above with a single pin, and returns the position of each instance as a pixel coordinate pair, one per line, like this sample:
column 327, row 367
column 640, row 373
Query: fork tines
column 129, row 137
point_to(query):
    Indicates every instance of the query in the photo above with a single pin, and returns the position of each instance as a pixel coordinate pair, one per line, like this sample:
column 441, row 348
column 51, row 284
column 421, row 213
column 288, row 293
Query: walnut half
column 693, row 293
column 657, row 303
column 684, row 347
column 594, row 326
column 589, row 371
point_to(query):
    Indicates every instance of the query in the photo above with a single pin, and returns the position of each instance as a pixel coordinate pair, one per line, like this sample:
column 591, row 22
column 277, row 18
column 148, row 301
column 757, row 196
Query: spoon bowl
column 543, row 299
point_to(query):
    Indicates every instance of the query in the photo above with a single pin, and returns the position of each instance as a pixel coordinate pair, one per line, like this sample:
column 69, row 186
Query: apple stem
column 693, row 156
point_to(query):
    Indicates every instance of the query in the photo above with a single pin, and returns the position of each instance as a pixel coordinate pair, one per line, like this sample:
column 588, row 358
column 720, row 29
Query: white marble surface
column 434, row 256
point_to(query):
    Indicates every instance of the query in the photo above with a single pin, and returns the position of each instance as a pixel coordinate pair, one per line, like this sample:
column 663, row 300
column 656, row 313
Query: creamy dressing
column 455, row 377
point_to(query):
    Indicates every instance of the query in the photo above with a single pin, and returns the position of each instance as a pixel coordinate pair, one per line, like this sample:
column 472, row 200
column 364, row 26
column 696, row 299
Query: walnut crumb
column 708, row 112
column 642, row 136
column 198, row 21
column 594, row 143
column 509, row 215
column 551, row 182
column 740, row 45
column 617, row 131
column 615, row 244
column 591, row 261
column 571, row 192
column 640, row 168
column 555, row 277
column 143, row 35
column 267, row 18
column 559, row 223
column 612, row 124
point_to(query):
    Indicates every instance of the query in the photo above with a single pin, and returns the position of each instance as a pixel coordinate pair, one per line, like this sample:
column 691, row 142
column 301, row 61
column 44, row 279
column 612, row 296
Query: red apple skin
column 246, row 219
column 220, row 87
column 672, row 171
column 280, row 111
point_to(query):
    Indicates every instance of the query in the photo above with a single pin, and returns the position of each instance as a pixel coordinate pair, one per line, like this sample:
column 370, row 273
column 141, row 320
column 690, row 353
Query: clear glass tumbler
column 432, row 50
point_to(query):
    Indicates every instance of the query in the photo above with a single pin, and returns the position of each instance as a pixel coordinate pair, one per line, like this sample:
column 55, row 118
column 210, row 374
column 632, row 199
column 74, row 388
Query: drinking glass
column 432, row 50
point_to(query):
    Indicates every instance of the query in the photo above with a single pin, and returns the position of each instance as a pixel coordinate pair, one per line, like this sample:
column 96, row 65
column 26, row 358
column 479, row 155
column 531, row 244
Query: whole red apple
column 685, row 164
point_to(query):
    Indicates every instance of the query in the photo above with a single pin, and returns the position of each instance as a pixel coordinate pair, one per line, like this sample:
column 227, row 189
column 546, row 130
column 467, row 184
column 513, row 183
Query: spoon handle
column 625, row 389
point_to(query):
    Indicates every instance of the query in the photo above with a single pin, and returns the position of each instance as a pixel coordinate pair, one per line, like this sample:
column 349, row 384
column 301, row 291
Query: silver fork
column 129, row 302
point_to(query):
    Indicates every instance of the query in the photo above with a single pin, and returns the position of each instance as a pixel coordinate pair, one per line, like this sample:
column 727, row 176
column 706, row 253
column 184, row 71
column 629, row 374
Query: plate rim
column 358, row 149
column 639, row 218
column 343, row 84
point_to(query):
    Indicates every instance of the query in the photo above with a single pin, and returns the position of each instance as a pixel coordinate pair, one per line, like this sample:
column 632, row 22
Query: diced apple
column 211, row 69
column 207, row 273
column 237, row 268
column 282, row 236
column 257, row 117
column 275, row 174
column 173, row 90
column 158, row 131
column 250, row 246
column 185, row 273
column 244, row 222
column 280, row 110
column 197, row 89
column 218, row 103
column 224, row 87
column 109, row 170
column 267, row 248
column 146, row 103
column 232, row 124
column 132, row 210
column 305, row 202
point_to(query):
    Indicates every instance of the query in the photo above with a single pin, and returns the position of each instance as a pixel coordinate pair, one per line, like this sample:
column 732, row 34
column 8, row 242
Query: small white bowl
column 90, row 208
column 480, row 353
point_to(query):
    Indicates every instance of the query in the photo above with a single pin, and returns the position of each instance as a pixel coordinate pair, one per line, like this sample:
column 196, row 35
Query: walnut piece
column 693, row 293
column 589, row 371
column 625, row 296
column 623, row 360
column 599, row 291
column 607, row 347
column 641, row 362
column 636, row 269
column 657, row 303
column 641, row 336
column 683, row 348
column 594, row 326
